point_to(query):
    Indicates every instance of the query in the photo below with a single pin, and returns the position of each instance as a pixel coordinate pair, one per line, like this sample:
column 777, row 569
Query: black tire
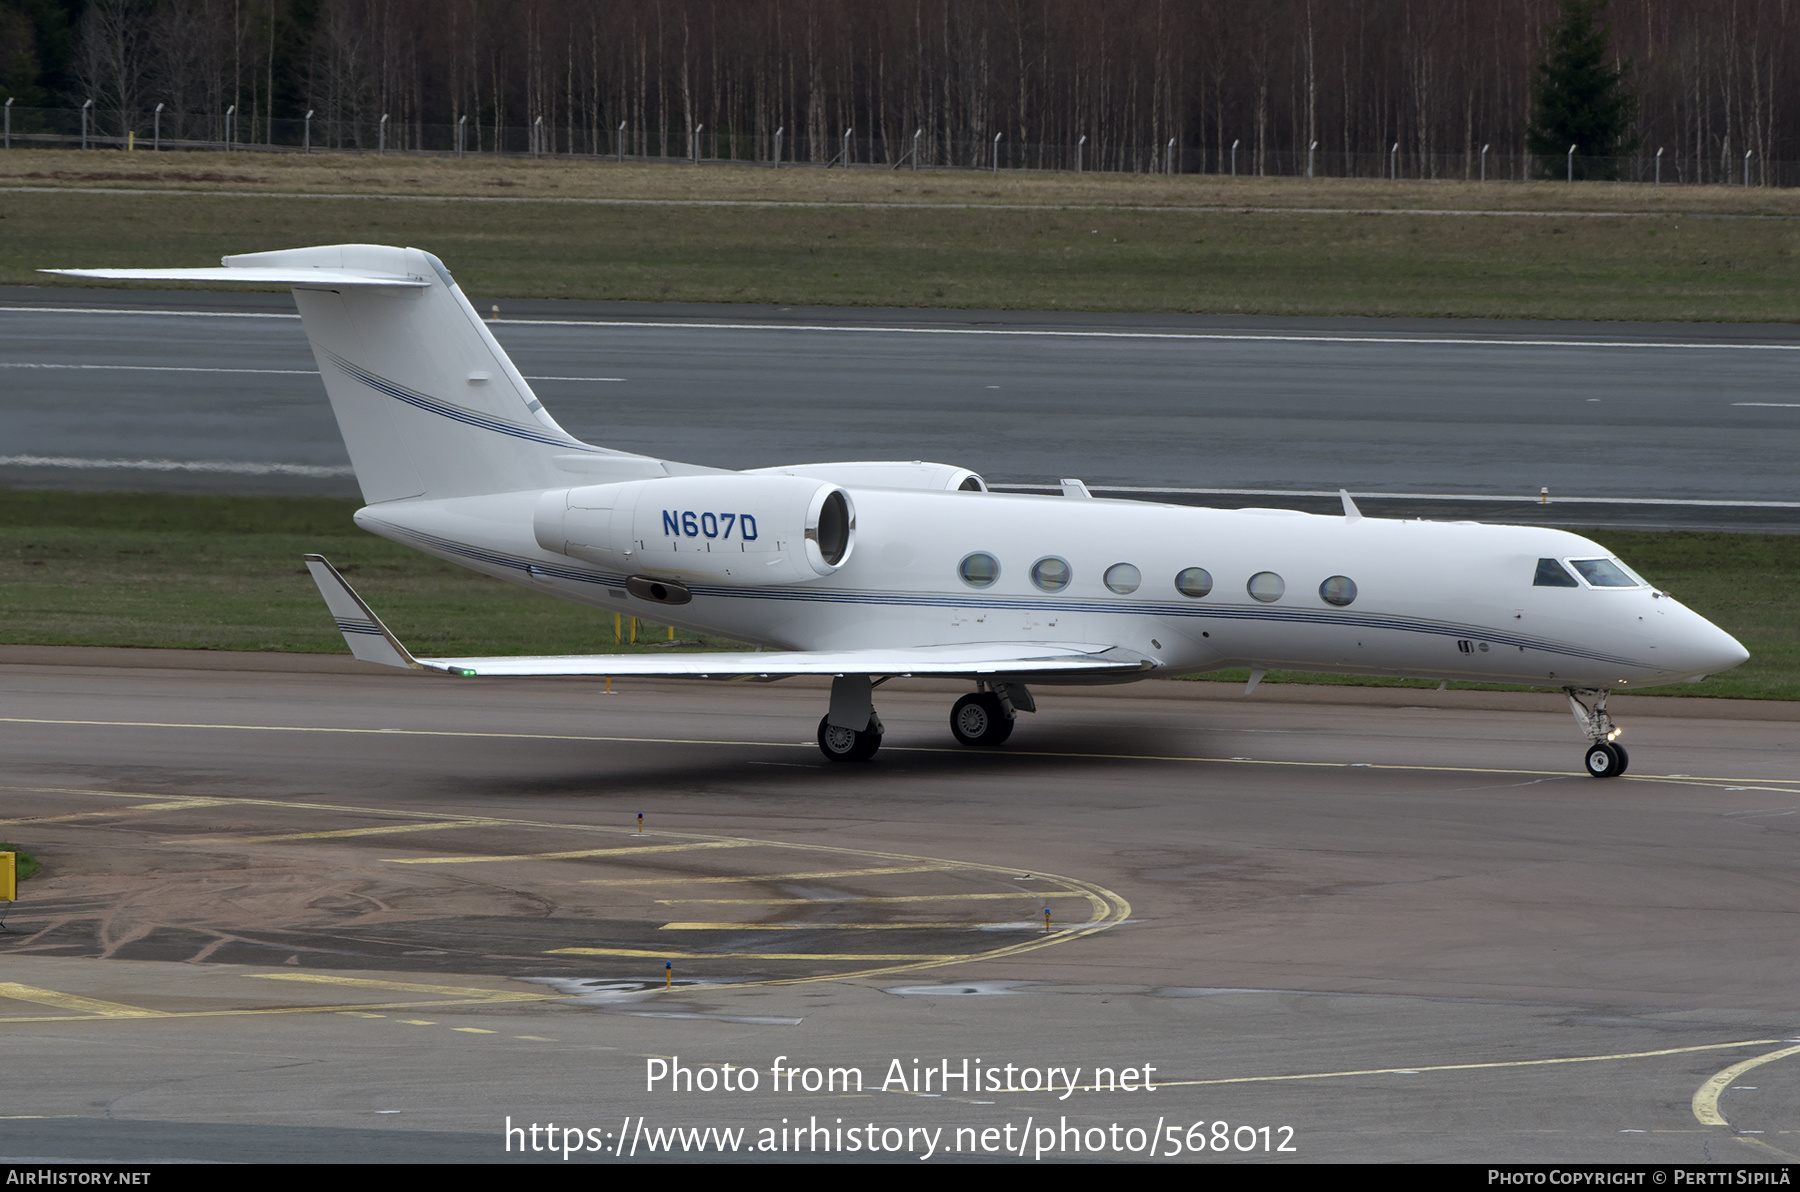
column 980, row 720
column 1624, row 758
column 1603, row 760
column 846, row 745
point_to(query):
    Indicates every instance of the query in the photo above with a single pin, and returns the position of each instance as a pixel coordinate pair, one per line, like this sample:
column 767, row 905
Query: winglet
column 1256, row 676
column 363, row 631
column 1351, row 512
column 1075, row 488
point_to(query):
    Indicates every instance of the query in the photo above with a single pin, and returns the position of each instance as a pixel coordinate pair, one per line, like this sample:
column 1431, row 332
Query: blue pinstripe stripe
column 456, row 413
column 1221, row 612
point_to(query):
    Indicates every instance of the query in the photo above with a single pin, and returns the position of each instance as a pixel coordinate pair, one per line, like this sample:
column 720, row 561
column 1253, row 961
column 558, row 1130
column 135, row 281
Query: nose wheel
column 1605, row 757
column 1606, row 760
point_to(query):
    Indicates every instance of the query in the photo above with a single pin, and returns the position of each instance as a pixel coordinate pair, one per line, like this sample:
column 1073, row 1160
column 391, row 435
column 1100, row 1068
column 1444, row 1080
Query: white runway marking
column 281, row 372
column 1780, row 405
column 232, row 467
column 1036, row 332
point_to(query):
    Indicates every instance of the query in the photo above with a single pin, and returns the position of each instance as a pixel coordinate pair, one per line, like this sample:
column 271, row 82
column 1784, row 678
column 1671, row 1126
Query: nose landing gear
column 1605, row 758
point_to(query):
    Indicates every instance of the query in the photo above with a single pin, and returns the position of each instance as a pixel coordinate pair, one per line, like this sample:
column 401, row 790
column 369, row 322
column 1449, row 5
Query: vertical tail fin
column 427, row 400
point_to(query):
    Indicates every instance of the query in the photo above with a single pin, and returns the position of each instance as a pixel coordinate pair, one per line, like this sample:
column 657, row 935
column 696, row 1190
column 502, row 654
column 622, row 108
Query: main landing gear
column 986, row 717
column 851, row 731
column 1605, row 757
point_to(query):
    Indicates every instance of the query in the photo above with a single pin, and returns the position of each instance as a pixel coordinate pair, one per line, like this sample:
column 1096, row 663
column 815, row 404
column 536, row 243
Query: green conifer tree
column 1579, row 99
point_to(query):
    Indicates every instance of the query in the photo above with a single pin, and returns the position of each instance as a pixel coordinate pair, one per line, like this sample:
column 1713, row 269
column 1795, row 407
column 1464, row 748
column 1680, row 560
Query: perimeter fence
column 159, row 130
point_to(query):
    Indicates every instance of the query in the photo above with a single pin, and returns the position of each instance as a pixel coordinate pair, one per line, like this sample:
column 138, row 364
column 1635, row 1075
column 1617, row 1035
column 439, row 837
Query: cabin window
column 1194, row 581
column 1603, row 573
column 1051, row 574
column 1552, row 574
column 979, row 570
column 1266, row 586
column 1339, row 590
column 1123, row 578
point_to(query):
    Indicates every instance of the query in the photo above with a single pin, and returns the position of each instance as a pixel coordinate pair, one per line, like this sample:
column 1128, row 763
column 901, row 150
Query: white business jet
column 871, row 571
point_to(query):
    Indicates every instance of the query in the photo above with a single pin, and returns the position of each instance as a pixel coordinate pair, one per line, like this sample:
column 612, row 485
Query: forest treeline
column 1438, row 78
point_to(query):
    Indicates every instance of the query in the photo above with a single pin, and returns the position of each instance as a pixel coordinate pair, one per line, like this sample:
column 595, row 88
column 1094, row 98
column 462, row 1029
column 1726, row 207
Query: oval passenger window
column 1339, row 590
column 1266, row 586
column 1123, row 578
column 979, row 570
column 1051, row 574
column 1193, row 581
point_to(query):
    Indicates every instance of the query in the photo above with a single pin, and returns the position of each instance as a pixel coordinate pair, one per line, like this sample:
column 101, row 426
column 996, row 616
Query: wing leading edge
column 371, row 641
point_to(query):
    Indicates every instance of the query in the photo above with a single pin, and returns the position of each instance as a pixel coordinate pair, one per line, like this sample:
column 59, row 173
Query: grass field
column 556, row 229
column 224, row 573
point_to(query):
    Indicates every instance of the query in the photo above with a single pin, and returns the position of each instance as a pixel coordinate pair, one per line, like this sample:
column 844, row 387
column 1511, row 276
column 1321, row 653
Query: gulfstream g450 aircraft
column 871, row 571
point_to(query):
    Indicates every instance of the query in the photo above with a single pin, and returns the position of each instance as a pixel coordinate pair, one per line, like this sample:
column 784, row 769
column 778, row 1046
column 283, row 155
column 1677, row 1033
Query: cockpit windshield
column 1552, row 574
column 1605, row 573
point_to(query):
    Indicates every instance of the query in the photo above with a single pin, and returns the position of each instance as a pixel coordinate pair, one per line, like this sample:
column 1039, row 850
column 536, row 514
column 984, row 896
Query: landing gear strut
column 851, row 732
column 1605, row 757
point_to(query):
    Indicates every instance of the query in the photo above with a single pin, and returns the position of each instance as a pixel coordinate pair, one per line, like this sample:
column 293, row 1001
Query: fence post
column 1169, row 159
column 1571, row 163
column 1080, row 146
column 1484, row 150
column 230, row 116
column 997, row 137
column 778, row 133
column 1309, row 158
column 381, row 134
column 9, row 104
column 156, row 134
column 84, row 122
column 621, row 142
column 1747, row 154
column 462, row 123
column 1234, row 146
column 1659, row 166
column 847, row 133
column 537, row 137
column 917, row 133
column 698, row 129
column 1394, row 163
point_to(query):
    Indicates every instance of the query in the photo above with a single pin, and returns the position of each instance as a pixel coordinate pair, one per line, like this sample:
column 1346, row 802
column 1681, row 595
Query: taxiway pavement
column 297, row 910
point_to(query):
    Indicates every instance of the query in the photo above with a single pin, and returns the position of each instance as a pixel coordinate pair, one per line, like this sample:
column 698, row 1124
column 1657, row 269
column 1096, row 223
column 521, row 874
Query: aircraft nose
column 1705, row 649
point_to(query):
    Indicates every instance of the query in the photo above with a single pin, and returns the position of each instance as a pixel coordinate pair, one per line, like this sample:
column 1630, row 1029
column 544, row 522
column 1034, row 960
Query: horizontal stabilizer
column 261, row 275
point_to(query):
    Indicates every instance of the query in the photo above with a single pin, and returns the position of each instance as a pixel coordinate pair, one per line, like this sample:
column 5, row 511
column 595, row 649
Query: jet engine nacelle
column 732, row 529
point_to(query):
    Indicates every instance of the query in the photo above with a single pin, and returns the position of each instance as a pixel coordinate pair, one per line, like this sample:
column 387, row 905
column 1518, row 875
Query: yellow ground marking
column 472, row 1030
column 499, row 995
column 416, row 1021
column 174, row 805
column 1021, row 925
column 70, row 1001
column 1107, row 909
column 997, row 754
column 1760, row 1145
column 1706, row 1097
column 574, row 854
column 266, row 1010
column 338, row 833
column 765, row 877
column 1018, row 896
column 851, row 956
column 1414, row 1071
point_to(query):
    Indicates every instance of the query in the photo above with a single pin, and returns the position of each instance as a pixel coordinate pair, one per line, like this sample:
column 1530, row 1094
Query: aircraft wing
column 371, row 641
column 264, row 275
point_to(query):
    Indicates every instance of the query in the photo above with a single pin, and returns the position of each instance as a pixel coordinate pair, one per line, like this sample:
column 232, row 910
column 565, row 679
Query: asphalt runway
column 1625, row 424
column 295, row 910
